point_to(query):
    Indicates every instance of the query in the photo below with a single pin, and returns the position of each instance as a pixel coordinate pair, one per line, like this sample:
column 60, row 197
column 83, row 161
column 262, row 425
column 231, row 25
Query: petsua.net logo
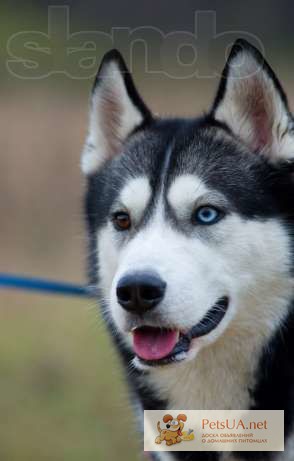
column 214, row 430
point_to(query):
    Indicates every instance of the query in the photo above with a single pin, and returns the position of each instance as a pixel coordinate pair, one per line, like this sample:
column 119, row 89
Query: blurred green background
column 62, row 391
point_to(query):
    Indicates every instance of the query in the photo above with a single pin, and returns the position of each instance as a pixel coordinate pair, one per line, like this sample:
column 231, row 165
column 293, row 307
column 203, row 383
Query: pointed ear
column 252, row 103
column 116, row 111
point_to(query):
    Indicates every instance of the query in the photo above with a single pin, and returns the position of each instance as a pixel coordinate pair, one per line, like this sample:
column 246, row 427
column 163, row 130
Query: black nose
column 140, row 291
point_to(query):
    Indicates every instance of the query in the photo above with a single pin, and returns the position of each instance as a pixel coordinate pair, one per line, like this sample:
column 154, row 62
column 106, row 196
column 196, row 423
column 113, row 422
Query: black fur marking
column 275, row 380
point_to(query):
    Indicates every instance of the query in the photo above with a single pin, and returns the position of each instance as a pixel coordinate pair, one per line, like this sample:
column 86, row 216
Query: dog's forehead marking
column 135, row 195
column 184, row 190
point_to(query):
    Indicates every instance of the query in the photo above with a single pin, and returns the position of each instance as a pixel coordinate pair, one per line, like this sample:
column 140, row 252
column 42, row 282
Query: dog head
column 190, row 220
column 174, row 424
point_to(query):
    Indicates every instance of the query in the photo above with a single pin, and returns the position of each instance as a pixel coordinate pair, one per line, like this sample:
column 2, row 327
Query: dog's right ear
column 116, row 111
column 167, row 418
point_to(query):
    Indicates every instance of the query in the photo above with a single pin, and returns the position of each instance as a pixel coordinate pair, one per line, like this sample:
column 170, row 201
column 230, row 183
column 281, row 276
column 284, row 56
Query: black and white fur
column 239, row 156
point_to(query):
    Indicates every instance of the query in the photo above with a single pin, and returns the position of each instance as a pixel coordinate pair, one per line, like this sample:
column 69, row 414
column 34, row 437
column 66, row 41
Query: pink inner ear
column 110, row 120
column 262, row 132
column 261, row 115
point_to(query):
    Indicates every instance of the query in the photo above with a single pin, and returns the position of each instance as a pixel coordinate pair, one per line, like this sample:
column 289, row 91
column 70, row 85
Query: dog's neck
column 218, row 377
column 222, row 374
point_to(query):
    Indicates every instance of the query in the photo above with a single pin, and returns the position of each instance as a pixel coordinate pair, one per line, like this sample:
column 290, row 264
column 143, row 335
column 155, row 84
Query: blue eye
column 207, row 215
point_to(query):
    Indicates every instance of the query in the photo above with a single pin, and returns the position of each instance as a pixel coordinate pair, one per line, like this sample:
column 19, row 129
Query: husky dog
column 191, row 237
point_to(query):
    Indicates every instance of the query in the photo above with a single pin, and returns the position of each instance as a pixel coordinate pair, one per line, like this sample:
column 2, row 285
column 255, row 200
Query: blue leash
column 45, row 286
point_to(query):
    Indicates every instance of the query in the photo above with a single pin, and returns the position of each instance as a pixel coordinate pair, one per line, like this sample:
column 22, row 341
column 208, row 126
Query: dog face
column 174, row 424
column 190, row 220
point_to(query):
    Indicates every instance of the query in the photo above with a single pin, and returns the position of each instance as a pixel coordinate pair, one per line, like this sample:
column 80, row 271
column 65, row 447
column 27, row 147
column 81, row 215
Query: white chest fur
column 219, row 377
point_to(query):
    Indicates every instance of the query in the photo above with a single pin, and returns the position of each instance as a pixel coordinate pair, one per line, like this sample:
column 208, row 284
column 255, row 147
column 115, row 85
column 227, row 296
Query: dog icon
column 173, row 429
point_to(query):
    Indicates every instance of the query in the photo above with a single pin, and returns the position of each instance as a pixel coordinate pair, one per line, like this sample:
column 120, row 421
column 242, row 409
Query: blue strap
column 45, row 286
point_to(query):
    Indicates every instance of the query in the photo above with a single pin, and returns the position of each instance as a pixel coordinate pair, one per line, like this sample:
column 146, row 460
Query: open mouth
column 161, row 346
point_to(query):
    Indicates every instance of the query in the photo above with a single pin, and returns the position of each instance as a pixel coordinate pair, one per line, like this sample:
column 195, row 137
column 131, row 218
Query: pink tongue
column 153, row 343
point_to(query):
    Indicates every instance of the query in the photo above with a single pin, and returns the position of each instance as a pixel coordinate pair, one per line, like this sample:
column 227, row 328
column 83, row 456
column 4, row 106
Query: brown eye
column 121, row 220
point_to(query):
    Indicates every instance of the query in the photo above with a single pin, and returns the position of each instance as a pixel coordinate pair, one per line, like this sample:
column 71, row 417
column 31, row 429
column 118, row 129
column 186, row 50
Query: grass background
column 61, row 392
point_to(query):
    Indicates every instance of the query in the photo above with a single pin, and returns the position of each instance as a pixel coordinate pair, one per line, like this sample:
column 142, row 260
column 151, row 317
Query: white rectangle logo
column 213, row 430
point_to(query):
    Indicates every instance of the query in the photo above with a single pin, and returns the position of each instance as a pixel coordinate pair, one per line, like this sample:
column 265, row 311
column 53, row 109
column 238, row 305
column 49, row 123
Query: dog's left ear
column 252, row 103
column 116, row 111
column 182, row 417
